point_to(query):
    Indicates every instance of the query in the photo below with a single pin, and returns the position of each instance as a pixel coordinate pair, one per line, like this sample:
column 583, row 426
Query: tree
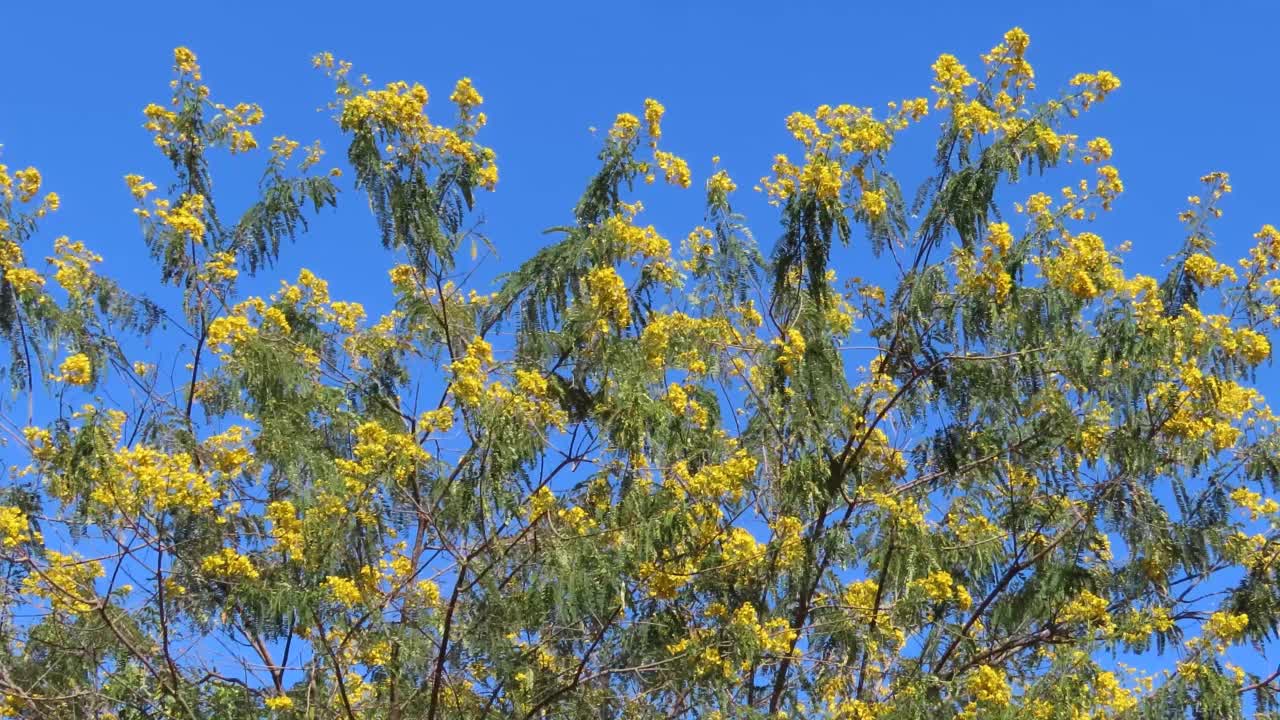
column 638, row 482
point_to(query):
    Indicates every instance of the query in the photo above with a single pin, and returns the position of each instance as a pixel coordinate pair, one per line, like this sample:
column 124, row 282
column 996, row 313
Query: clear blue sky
column 1195, row 97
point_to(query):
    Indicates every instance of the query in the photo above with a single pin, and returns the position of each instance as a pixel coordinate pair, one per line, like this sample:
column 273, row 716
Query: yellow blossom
column 75, row 370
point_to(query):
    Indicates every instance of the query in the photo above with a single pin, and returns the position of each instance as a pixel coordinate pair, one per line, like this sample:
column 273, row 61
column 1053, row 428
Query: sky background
column 1198, row 95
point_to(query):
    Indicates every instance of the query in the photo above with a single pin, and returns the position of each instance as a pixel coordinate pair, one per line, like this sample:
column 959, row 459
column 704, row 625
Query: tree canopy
column 643, row 479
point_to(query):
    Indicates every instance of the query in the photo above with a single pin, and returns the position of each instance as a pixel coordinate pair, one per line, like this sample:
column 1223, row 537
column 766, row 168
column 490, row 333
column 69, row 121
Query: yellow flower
column 786, row 539
column 1099, row 150
column 624, row 128
column 989, row 686
column 184, row 60
column 464, row 95
column 75, row 370
column 1226, row 626
column 939, row 587
column 720, row 183
column 675, row 169
column 229, row 565
column 14, row 526
column 741, row 552
column 1087, row 608
column 344, row 590
column 24, row 280
column 469, row 374
column 1095, row 86
column 540, row 502
column 1207, row 271
column 185, row 219
column 278, row 702
column 487, row 176
column 950, row 79
column 28, row 183
column 873, row 203
column 67, row 582
column 607, row 297
column 791, row 351
column 286, row 527
column 653, row 111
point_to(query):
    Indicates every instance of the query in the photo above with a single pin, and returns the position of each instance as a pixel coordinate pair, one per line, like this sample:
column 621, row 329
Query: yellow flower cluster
column 469, row 372
column 786, row 539
column 286, row 528
column 541, row 501
column 1084, row 267
column 380, row 451
column 161, row 122
column 950, row 79
column 691, row 338
column 440, row 419
column 973, row 118
column 139, row 187
column 227, row 450
column 674, row 168
column 903, row 510
column 664, row 581
column 873, row 203
column 576, row 520
column 1108, row 693
column 1011, row 54
column 1099, row 150
column 839, row 142
column 1208, row 272
column 465, row 96
column 399, row 111
column 791, row 351
column 1088, row 609
column 347, row 315
column 184, row 61
column 230, row 330
column 986, row 274
column 232, row 122
column 186, row 217
column 1095, row 86
column 606, row 296
column 66, row 582
column 646, row 242
column 729, row 478
column 28, row 184
column 75, row 370
column 740, row 552
column 15, row 527
column 653, row 112
column 1254, row 503
column 1207, row 407
column 941, row 588
column 220, row 268
column 773, row 637
column 1226, row 626
column 989, row 686
column 531, row 400
column 230, row 566
column 73, row 263
column 344, row 590
column 720, row 184
column 145, row 476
